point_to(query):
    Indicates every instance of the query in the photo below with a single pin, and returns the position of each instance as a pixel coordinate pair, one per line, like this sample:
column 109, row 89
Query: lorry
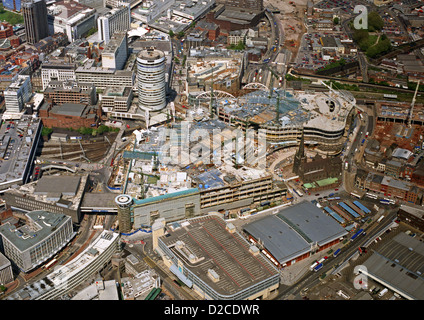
column 383, row 292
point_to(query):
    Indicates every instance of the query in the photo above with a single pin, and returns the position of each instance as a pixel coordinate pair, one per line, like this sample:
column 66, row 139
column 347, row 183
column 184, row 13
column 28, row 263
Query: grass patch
column 11, row 17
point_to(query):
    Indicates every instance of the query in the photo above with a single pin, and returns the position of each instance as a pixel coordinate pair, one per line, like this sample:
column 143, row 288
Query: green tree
column 171, row 33
column 85, row 131
column 336, row 20
column 91, row 31
column 180, row 34
column 46, row 131
column 375, row 22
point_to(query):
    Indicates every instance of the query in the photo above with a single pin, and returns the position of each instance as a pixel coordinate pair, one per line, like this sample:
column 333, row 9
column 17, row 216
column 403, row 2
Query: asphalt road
column 311, row 279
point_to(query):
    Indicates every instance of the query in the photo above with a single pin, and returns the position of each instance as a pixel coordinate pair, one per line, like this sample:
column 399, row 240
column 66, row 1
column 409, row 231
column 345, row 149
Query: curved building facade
column 123, row 203
column 65, row 278
column 321, row 117
column 151, row 79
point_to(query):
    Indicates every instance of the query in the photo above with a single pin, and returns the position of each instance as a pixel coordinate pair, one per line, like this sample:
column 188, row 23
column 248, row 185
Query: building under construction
column 322, row 117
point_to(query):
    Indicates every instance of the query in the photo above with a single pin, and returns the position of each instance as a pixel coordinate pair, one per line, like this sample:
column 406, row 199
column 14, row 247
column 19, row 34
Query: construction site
column 291, row 17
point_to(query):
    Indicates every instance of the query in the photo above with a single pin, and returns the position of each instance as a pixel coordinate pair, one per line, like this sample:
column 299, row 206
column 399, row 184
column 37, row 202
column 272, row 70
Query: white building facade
column 17, row 94
column 117, row 19
column 151, row 79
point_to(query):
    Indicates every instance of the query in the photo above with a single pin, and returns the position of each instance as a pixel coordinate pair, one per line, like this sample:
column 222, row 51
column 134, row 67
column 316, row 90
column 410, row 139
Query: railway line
column 90, row 152
column 360, row 84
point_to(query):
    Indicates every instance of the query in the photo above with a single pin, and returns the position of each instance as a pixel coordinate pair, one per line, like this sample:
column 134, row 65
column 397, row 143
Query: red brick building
column 6, row 30
column 69, row 115
column 212, row 28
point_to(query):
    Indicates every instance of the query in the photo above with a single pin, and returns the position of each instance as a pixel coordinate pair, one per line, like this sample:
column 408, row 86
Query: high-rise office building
column 123, row 203
column 35, row 19
column 14, row 5
column 151, row 79
column 17, row 94
column 117, row 19
column 115, row 53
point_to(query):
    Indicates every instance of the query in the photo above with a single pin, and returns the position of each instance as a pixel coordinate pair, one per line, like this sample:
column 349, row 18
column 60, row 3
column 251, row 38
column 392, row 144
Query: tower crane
column 411, row 111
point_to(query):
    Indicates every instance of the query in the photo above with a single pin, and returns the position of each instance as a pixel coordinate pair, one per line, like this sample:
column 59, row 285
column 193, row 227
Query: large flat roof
column 278, row 238
column 292, row 231
column 60, row 276
column 399, row 263
column 16, row 150
column 24, row 237
column 58, row 184
column 215, row 248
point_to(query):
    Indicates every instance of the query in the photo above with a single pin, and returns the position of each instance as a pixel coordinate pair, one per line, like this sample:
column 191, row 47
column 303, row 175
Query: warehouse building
column 294, row 233
column 399, row 266
column 413, row 216
column 214, row 260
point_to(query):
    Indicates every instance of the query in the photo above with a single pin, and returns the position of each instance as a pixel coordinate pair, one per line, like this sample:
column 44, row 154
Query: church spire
column 300, row 156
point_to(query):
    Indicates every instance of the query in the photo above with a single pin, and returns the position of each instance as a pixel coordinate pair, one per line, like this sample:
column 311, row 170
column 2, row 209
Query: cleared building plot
column 295, row 233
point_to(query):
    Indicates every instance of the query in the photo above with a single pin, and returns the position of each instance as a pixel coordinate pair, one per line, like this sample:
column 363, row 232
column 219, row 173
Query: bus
column 387, row 201
column 318, row 267
column 371, row 195
column 336, row 253
column 381, row 218
column 353, row 194
column 50, row 264
column 300, row 194
column 322, row 259
column 312, row 267
column 356, row 234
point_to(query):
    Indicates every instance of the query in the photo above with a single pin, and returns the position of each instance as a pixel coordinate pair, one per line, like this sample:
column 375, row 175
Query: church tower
column 300, row 157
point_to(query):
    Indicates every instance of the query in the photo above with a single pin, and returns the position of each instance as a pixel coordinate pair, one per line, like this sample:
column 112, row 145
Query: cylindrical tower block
column 151, row 79
column 123, row 203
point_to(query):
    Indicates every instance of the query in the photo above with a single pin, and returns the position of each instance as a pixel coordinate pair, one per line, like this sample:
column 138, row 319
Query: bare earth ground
column 291, row 17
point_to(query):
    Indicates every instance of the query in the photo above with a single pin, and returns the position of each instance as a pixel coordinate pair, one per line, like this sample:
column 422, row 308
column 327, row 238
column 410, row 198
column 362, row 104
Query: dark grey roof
column 291, row 232
column 278, row 238
column 313, row 222
column 69, row 109
column 57, row 184
column 399, row 263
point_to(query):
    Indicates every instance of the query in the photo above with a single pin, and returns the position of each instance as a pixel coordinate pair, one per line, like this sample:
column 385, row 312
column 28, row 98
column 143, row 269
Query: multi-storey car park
column 214, row 260
column 18, row 145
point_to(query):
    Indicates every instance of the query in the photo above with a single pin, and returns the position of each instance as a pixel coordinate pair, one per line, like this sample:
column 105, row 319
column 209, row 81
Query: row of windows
column 29, row 204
